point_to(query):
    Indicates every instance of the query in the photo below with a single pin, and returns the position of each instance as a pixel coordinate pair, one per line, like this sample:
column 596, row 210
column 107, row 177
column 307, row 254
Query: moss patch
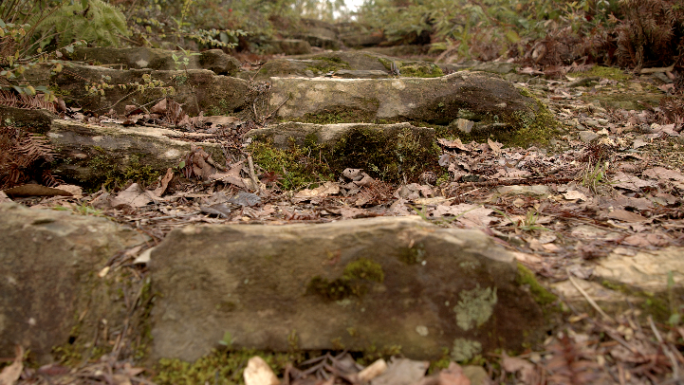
column 611, row 73
column 412, row 70
column 534, row 129
column 297, row 166
column 541, row 295
column 656, row 305
column 392, row 154
column 353, row 283
column 217, row 367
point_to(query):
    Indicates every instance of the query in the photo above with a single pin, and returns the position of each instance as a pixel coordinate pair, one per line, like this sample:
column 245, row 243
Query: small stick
column 666, row 350
column 586, row 296
column 252, row 175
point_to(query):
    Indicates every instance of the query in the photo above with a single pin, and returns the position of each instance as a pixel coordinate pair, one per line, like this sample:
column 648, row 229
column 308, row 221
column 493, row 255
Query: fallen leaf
column 456, row 143
column 10, row 374
column 575, row 195
column 28, row 190
column 402, row 371
column 164, row 183
column 133, row 196
column 258, row 372
column 626, row 216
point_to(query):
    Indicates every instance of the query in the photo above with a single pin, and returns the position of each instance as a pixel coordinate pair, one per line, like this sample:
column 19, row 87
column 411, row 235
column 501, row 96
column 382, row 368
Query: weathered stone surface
column 282, row 134
column 287, row 47
column 157, row 59
column 88, row 152
column 394, row 152
column 372, row 283
column 482, row 98
column 197, row 90
column 361, row 39
column 534, row 191
column 318, row 33
column 628, row 278
column 645, row 271
column 48, row 288
column 38, row 121
column 322, row 63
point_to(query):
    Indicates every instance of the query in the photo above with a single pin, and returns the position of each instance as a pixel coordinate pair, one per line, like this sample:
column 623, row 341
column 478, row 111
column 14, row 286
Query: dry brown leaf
column 626, row 216
column 164, row 184
column 28, row 190
column 456, row 143
column 10, row 374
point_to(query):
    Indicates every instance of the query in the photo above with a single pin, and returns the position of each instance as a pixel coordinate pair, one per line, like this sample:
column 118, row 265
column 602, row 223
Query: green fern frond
column 98, row 23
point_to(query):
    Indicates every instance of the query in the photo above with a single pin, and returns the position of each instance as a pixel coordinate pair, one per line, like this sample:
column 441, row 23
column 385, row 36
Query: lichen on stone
column 475, row 307
column 464, row 349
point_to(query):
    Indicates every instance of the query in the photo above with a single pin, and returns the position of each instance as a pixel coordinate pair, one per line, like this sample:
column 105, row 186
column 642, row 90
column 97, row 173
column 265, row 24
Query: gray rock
column 645, row 271
column 287, row 47
column 219, row 62
column 157, row 59
column 265, row 286
column 38, row 121
column 48, row 285
column 88, row 151
column 475, row 96
column 587, row 136
column 196, row 90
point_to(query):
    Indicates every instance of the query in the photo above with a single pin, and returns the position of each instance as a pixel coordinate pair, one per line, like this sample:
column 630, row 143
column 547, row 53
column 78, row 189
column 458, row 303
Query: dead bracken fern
column 23, row 157
column 650, row 33
column 12, row 99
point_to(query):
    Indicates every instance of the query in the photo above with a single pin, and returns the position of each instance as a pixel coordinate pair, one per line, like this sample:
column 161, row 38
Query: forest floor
column 609, row 182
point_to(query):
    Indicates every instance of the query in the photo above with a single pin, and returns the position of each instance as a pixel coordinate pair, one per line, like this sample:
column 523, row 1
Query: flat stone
column 587, row 136
column 48, row 284
column 356, row 284
column 88, row 150
column 202, row 90
column 474, row 96
column 157, row 59
column 646, row 271
column 282, row 134
column 535, row 191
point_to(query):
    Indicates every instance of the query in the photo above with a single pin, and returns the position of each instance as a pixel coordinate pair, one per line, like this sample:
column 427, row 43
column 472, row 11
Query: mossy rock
column 392, row 152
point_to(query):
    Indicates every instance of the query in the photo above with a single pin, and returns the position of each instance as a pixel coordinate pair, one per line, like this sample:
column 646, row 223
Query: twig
column 586, row 296
column 117, row 102
column 252, row 175
column 666, row 350
column 276, row 110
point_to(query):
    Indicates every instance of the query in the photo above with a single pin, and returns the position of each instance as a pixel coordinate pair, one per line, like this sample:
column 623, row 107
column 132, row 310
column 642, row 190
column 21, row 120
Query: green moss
column 391, row 155
column 412, row 70
column 298, row 166
column 656, row 305
column 364, row 269
column 353, row 282
column 226, row 366
column 413, row 255
column 343, row 114
column 541, row 295
column 326, row 64
column 335, row 290
column 533, row 128
column 421, row 71
column 396, row 154
column 611, row 73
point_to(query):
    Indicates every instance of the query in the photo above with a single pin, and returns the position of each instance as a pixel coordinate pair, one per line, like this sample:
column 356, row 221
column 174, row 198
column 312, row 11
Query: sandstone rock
column 196, row 90
column 38, row 121
column 48, row 288
column 287, row 47
column 361, row 39
column 353, row 284
column 482, row 98
column 88, row 152
column 394, row 152
column 157, row 59
column 647, row 271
